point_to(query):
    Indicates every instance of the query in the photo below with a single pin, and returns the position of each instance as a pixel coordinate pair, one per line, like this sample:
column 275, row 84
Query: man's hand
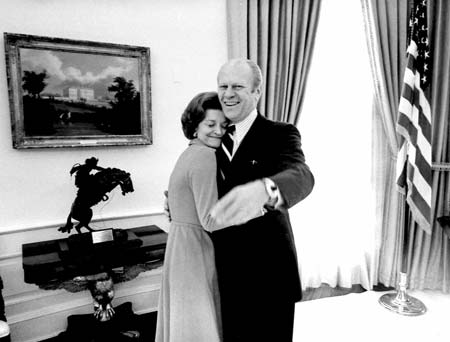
column 241, row 204
column 166, row 205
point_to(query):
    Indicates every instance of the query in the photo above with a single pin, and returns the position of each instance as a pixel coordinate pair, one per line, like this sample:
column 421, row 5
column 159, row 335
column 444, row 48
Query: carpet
column 359, row 317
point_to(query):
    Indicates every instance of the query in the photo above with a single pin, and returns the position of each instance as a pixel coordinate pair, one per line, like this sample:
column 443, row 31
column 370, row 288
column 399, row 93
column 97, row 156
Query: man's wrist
column 272, row 192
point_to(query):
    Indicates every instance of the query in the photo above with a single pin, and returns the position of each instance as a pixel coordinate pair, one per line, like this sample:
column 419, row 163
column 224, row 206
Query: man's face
column 236, row 92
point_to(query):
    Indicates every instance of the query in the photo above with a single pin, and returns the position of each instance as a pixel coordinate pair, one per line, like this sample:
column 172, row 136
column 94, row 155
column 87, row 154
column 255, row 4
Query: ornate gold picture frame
column 74, row 93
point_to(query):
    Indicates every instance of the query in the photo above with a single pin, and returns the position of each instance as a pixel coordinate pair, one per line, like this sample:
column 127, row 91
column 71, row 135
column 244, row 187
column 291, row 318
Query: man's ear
column 257, row 92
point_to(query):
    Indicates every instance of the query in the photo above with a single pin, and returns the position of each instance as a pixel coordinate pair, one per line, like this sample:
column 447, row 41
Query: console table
column 54, row 264
column 96, row 261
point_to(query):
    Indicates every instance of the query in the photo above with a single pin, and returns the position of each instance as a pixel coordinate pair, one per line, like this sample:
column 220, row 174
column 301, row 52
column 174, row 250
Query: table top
column 53, row 262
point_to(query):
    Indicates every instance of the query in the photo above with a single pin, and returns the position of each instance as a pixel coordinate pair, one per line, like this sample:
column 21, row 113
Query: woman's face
column 212, row 128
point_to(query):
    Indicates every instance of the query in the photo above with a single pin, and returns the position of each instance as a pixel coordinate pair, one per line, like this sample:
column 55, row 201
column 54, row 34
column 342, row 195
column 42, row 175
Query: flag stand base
column 401, row 302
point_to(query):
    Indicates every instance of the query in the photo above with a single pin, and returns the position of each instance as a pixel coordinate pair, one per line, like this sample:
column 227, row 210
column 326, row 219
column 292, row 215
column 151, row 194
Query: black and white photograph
column 224, row 171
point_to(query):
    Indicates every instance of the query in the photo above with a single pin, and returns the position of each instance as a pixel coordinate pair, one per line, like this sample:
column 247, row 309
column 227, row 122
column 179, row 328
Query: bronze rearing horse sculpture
column 93, row 188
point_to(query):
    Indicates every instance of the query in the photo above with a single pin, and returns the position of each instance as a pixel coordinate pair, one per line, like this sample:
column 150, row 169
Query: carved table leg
column 101, row 287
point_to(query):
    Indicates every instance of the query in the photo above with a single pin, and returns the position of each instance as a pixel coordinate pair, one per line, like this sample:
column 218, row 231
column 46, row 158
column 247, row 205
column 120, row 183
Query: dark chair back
column 4, row 327
column 2, row 302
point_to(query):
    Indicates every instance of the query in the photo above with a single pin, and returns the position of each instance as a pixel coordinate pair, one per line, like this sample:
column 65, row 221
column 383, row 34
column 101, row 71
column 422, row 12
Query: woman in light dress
column 189, row 306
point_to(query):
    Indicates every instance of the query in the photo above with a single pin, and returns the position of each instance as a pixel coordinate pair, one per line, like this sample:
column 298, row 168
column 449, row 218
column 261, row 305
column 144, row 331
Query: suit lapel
column 247, row 163
column 251, row 144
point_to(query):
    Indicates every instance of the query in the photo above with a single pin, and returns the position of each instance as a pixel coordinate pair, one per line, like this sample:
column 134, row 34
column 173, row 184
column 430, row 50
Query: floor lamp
column 400, row 302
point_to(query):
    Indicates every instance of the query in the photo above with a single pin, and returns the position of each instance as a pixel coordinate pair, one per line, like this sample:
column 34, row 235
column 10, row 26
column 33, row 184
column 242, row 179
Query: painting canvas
column 68, row 93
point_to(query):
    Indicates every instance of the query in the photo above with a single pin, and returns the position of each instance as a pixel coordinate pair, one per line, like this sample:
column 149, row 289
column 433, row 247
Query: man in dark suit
column 263, row 174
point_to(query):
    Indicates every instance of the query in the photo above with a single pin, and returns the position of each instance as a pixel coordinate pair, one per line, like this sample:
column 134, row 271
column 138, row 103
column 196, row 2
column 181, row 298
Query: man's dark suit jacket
column 257, row 261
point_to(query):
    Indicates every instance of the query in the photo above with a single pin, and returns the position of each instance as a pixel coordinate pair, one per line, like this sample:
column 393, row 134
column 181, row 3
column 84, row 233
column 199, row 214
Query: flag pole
column 400, row 302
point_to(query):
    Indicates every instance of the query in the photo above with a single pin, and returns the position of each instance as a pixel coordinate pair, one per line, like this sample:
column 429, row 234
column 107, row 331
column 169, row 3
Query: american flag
column 414, row 121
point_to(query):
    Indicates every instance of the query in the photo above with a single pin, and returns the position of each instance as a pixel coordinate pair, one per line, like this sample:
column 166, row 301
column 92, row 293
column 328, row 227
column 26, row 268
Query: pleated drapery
column 386, row 31
column 332, row 227
column 427, row 256
column 429, row 259
column 279, row 36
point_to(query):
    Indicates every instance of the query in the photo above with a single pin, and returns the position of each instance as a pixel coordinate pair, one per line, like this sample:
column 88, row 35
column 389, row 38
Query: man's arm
column 292, row 178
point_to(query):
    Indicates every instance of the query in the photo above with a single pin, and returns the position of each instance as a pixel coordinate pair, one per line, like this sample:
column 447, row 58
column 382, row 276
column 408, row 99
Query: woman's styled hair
column 196, row 110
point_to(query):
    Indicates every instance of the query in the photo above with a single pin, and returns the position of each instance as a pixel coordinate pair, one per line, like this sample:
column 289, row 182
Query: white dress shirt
column 242, row 129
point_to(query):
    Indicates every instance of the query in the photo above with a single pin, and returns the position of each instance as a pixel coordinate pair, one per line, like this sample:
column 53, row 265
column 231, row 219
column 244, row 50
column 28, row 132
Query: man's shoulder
column 276, row 125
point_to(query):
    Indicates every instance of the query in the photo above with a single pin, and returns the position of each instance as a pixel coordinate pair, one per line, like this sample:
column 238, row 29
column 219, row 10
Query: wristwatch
column 272, row 191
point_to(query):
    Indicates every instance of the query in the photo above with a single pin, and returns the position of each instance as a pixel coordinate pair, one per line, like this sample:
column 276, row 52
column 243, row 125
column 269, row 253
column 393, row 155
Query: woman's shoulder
column 197, row 153
column 196, row 160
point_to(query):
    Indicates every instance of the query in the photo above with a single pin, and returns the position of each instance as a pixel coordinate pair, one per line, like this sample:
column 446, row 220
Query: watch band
column 271, row 189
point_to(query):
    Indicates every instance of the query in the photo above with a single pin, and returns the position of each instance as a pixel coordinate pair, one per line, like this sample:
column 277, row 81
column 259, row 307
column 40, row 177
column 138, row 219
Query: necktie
column 227, row 141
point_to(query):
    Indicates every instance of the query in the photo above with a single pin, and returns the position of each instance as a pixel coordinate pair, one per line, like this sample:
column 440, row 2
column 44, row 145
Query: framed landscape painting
column 73, row 93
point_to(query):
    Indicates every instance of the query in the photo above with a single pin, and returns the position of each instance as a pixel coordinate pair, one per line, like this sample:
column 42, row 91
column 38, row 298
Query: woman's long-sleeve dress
column 189, row 307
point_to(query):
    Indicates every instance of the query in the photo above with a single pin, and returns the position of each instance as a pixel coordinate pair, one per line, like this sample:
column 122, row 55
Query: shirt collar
column 243, row 126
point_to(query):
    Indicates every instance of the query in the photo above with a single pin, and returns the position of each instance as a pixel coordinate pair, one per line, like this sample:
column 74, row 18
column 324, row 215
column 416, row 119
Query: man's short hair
column 254, row 68
column 195, row 111
column 256, row 72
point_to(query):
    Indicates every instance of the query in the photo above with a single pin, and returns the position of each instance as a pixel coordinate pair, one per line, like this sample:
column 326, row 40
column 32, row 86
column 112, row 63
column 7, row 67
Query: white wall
column 187, row 41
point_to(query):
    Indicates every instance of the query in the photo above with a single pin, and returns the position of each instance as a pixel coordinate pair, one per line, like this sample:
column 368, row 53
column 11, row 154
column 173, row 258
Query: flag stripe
column 414, row 136
column 421, row 183
column 425, row 125
column 420, row 206
column 423, row 167
column 414, row 123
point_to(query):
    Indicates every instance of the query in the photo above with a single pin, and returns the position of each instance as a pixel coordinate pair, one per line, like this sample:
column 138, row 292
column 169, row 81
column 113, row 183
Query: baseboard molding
column 43, row 314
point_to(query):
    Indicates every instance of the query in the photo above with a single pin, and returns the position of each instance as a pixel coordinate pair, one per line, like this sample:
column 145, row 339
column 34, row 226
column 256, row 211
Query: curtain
column 386, row 25
column 333, row 227
column 279, row 36
column 427, row 256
